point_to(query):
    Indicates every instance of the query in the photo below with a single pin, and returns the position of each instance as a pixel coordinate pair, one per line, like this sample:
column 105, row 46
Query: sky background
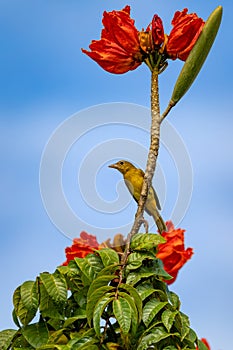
column 45, row 79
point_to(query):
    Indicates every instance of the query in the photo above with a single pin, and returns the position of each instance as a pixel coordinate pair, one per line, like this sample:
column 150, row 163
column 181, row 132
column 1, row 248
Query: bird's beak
column 114, row 166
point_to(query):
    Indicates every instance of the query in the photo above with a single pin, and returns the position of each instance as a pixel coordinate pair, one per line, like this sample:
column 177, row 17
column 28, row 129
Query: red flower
column 157, row 30
column 205, row 342
column 118, row 50
column 82, row 246
column 172, row 253
column 185, row 32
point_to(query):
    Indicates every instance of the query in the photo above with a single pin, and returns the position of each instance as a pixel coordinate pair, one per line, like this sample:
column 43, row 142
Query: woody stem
column 151, row 161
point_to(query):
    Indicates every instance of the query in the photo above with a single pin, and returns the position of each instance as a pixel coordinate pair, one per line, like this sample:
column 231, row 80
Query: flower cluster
column 123, row 48
column 172, row 253
column 82, row 246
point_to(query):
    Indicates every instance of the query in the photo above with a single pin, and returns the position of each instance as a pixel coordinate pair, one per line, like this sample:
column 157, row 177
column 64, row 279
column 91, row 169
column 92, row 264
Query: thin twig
column 151, row 161
column 167, row 110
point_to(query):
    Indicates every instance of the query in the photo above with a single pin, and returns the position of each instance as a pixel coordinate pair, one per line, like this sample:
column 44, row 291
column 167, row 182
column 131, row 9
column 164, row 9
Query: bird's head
column 123, row 166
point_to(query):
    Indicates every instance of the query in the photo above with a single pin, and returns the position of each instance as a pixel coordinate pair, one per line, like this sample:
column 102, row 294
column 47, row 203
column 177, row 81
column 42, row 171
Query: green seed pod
column 197, row 56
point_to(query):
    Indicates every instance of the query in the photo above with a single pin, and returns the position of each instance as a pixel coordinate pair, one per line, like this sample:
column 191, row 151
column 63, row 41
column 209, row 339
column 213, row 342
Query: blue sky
column 45, row 79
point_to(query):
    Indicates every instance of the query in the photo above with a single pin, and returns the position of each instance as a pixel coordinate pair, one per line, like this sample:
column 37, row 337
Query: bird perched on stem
column 133, row 178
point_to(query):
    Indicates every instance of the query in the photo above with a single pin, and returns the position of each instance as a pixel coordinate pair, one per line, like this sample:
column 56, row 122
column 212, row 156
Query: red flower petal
column 118, row 50
column 81, row 247
column 183, row 36
column 173, row 253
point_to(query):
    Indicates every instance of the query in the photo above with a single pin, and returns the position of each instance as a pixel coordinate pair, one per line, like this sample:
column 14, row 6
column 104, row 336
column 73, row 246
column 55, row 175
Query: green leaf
column 201, row 345
column 122, row 312
column 108, row 270
column 135, row 259
column 98, row 311
column 135, row 296
column 47, row 307
column 29, row 295
column 95, row 297
column 98, row 283
column 16, row 298
column 168, row 317
column 142, row 273
column 25, row 316
column 15, row 318
column 192, row 337
column 159, row 270
column 55, row 285
column 36, row 334
column 156, row 335
column 174, row 299
column 145, row 292
column 90, row 266
column 151, row 309
column 108, row 256
column 6, row 337
column 53, row 347
column 134, row 312
column 185, row 325
column 71, row 320
column 197, row 56
column 57, row 337
column 148, row 241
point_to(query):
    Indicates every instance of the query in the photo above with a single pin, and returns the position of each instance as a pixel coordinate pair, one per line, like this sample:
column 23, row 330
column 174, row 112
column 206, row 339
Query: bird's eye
column 121, row 163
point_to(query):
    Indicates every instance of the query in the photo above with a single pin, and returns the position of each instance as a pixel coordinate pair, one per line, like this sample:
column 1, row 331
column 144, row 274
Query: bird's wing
column 156, row 198
column 152, row 192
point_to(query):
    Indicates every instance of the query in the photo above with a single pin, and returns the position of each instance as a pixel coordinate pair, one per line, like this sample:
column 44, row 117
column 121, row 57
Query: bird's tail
column 159, row 221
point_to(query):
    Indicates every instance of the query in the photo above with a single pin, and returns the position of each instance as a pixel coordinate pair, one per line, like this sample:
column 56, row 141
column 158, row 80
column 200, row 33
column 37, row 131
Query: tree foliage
column 95, row 303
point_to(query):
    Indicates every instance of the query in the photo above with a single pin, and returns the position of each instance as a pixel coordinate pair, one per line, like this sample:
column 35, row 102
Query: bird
column 133, row 178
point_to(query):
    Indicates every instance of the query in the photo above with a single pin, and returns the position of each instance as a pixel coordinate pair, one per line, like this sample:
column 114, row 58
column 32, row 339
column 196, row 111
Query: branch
column 167, row 110
column 151, row 161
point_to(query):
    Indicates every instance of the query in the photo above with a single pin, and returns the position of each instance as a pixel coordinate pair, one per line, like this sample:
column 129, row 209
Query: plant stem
column 151, row 160
column 167, row 110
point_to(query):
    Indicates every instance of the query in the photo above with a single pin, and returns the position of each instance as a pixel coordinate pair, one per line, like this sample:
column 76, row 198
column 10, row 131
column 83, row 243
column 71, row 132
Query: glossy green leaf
column 197, row 56
column 6, row 338
column 108, row 270
column 108, row 256
column 55, row 285
column 25, row 316
column 136, row 259
column 182, row 324
column 140, row 274
column 201, row 345
column 90, row 266
column 134, row 312
column 168, row 317
column 122, row 312
column 73, row 319
column 98, row 283
column 145, row 290
column 135, row 296
column 29, row 295
column 47, row 307
column 174, row 299
column 15, row 318
column 148, row 241
column 98, row 311
column 151, row 309
column 95, row 297
column 156, row 335
column 36, row 334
